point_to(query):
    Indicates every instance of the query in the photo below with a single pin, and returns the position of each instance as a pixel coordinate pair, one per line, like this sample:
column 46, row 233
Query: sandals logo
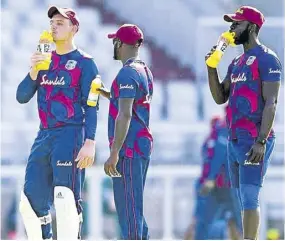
column 57, row 81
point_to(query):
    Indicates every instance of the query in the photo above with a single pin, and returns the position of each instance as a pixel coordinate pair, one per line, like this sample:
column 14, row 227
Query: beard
column 243, row 37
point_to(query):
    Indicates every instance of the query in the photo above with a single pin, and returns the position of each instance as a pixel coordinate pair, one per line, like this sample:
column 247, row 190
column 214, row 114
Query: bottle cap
column 46, row 37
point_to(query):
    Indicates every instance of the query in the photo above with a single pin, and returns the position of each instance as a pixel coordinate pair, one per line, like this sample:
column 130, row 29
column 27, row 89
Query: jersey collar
column 130, row 60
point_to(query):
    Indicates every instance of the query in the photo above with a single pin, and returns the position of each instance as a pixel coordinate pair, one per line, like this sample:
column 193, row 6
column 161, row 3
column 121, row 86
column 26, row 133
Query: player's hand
column 36, row 58
column 256, row 153
column 104, row 91
column 207, row 187
column 211, row 52
column 110, row 166
column 86, row 155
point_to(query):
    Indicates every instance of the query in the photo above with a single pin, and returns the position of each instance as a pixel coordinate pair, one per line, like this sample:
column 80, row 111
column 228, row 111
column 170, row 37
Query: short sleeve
column 127, row 81
column 270, row 68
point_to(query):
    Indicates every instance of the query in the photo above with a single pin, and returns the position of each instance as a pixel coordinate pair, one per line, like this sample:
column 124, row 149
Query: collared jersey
column 62, row 92
column 246, row 104
column 134, row 80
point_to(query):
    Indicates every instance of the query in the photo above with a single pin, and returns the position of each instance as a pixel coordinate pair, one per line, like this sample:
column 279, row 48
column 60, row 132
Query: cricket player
column 204, row 209
column 214, row 197
column 224, row 200
column 129, row 132
column 205, row 206
column 65, row 143
column 205, row 202
column 251, row 87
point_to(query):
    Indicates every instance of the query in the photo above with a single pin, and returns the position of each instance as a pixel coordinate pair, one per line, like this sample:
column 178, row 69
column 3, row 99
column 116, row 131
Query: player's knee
column 250, row 196
column 33, row 223
column 68, row 219
column 66, row 190
column 27, row 205
column 65, row 183
column 62, row 192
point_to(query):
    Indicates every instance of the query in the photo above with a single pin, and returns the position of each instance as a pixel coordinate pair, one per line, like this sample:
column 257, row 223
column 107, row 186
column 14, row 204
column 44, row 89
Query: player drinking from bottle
column 251, row 87
column 65, row 143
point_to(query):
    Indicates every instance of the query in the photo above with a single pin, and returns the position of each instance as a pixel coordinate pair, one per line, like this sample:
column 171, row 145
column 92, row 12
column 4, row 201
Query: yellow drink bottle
column 44, row 47
column 226, row 39
column 94, row 93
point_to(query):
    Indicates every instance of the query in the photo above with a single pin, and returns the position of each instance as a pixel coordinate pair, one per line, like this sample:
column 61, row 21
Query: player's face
column 62, row 29
column 117, row 49
column 241, row 29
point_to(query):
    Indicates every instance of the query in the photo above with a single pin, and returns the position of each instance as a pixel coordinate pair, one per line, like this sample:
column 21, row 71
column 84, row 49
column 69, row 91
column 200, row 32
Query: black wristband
column 262, row 141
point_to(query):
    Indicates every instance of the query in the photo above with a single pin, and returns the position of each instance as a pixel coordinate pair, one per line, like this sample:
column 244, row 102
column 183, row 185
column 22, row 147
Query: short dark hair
column 139, row 43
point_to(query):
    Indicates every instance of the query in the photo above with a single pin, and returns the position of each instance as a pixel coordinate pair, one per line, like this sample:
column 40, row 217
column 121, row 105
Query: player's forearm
column 216, row 164
column 26, row 90
column 121, row 130
column 268, row 116
column 90, row 122
column 215, row 168
column 216, row 87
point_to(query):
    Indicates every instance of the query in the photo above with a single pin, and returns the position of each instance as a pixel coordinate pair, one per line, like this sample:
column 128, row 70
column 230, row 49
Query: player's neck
column 252, row 43
column 64, row 47
column 129, row 56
